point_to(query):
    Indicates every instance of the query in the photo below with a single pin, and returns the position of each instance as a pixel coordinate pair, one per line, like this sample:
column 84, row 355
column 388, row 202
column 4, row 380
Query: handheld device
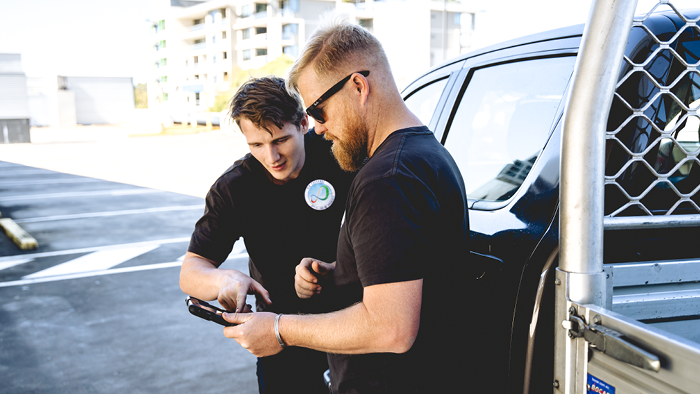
column 206, row 311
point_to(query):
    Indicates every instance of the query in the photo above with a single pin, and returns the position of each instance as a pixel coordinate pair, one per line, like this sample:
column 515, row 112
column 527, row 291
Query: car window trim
column 468, row 73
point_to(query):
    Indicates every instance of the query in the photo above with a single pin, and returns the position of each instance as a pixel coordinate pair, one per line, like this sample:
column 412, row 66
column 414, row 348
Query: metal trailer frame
column 589, row 337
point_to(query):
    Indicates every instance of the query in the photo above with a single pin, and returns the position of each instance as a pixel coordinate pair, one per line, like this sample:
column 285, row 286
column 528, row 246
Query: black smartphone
column 206, row 311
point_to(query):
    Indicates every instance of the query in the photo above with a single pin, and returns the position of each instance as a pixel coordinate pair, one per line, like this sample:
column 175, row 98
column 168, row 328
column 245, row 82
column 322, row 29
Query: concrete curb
column 17, row 234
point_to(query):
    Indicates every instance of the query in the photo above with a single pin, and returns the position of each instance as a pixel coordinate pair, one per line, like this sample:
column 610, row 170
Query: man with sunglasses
column 286, row 198
column 402, row 262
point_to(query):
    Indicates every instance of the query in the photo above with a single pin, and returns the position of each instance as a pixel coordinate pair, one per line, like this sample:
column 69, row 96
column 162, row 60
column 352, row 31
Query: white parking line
column 93, row 249
column 110, row 213
column 49, row 181
column 113, row 192
column 96, row 261
column 102, row 272
column 33, row 171
column 12, row 263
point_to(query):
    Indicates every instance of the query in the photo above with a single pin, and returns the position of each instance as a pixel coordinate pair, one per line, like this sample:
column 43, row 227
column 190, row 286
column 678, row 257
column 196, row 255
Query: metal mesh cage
column 653, row 133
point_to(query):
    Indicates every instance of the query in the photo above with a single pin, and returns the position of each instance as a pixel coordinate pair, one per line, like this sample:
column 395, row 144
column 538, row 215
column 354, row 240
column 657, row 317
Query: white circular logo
column 319, row 194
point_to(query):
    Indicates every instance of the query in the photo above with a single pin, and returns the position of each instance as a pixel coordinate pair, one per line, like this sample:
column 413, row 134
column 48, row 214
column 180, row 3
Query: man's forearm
column 366, row 327
column 200, row 277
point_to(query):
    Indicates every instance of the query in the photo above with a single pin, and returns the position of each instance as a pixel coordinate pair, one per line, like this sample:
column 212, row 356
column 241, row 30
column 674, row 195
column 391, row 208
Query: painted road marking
column 93, row 249
column 114, row 192
column 32, row 172
column 96, row 261
column 110, row 213
column 48, row 181
column 12, row 263
column 103, row 272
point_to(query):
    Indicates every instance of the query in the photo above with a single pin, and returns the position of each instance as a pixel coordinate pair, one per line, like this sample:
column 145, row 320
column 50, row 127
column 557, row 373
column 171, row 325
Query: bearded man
column 403, row 247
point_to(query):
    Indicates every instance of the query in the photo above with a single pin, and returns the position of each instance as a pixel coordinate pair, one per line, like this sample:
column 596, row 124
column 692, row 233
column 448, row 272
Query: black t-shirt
column 277, row 224
column 406, row 219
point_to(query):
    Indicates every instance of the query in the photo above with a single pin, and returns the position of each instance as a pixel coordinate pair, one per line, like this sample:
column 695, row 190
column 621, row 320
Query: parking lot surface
column 97, row 307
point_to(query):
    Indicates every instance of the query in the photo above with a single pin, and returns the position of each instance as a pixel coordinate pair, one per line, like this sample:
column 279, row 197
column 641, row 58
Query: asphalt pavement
column 97, row 307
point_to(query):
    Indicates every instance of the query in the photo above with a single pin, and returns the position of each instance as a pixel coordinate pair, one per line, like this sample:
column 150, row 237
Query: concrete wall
column 102, row 100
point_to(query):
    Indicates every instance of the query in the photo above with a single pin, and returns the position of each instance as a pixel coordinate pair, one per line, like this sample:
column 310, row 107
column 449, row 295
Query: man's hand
column 235, row 286
column 308, row 273
column 255, row 332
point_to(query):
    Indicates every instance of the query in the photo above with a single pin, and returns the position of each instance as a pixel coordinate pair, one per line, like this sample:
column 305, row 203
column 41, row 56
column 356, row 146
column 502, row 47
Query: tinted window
column 503, row 122
column 423, row 102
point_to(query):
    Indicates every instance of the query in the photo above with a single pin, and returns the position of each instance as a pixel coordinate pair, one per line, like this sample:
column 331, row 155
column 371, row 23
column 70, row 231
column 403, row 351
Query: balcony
column 199, row 26
column 198, row 46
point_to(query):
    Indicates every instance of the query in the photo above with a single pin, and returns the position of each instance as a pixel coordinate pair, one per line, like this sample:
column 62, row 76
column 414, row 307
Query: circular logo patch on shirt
column 319, row 194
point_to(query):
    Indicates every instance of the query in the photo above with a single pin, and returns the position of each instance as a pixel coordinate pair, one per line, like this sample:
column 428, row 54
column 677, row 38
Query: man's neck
column 401, row 118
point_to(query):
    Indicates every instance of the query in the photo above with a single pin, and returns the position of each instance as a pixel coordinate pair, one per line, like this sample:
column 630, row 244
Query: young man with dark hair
column 402, row 321
column 286, row 199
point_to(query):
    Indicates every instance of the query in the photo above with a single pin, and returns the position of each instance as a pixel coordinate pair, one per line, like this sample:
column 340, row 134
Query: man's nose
column 272, row 154
column 320, row 128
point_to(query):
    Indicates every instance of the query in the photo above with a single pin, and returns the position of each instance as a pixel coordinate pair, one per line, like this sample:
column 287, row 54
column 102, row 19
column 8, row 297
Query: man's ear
column 361, row 86
column 304, row 124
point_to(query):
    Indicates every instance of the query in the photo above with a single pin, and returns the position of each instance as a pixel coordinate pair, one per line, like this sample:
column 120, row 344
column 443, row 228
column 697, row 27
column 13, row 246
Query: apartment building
column 198, row 45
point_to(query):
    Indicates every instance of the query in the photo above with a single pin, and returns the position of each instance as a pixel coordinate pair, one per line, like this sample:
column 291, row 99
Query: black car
column 499, row 112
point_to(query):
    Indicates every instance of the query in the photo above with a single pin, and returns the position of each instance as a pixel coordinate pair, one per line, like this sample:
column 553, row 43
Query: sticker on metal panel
column 597, row 386
column 319, row 194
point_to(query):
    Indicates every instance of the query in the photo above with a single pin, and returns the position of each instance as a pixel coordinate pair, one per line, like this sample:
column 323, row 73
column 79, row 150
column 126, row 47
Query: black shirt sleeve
column 389, row 230
column 219, row 227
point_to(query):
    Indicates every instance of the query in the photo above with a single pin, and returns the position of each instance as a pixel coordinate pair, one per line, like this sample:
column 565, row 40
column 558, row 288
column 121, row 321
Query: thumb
column 319, row 267
column 237, row 318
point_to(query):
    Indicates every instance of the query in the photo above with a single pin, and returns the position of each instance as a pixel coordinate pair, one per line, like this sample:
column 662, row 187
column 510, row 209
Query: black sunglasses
column 317, row 113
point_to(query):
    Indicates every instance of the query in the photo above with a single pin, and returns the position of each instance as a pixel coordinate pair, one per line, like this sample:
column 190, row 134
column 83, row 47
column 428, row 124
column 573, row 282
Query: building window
column 260, row 51
column 246, row 54
column 160, row 26
column 366, row 23
column 215, row 78
column 246, row 34
column 289, row 31
column 260, row 30
column 196, row 60
column 223, row 13
column 165, row 97
column 225, row 55
column 213, row 39
column 291, row 51
column 196, row 77
column 260, row 7
column 198, row 21
column 164, row 62
column 223, row 35
column 214, row 59
column 225, row 76
column 164, row 78
column 246, row 10
column 196, row 98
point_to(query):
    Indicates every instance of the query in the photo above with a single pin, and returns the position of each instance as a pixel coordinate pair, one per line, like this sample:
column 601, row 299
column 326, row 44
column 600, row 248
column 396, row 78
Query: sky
column 112, row 38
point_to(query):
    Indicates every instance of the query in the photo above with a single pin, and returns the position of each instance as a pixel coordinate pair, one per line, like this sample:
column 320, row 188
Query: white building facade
column 199, row 44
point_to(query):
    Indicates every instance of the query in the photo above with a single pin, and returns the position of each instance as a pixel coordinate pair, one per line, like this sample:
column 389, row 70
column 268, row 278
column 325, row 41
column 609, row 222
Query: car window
column 423, row 102
column 503, row 121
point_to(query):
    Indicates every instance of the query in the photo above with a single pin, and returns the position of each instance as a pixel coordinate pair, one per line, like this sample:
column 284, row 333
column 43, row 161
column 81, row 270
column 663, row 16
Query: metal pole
column 583, row 138
column 580, row 276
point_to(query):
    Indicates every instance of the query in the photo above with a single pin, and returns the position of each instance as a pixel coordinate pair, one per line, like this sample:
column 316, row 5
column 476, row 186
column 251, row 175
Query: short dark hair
column 266, row 101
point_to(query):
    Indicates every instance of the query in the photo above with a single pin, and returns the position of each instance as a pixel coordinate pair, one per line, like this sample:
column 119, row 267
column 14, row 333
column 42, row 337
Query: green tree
column 141, row 96
column 279, row 67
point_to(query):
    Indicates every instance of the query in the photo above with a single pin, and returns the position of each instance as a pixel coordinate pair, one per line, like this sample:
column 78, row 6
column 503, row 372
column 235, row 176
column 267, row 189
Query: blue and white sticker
column 319, row 194
column 597, row 386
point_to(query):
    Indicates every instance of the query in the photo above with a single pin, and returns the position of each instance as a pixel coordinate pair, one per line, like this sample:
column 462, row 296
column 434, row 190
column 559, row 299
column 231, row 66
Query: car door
column 496, row 116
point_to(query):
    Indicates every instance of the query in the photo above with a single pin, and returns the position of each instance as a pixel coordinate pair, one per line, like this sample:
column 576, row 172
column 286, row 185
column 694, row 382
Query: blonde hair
column 336, row 46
